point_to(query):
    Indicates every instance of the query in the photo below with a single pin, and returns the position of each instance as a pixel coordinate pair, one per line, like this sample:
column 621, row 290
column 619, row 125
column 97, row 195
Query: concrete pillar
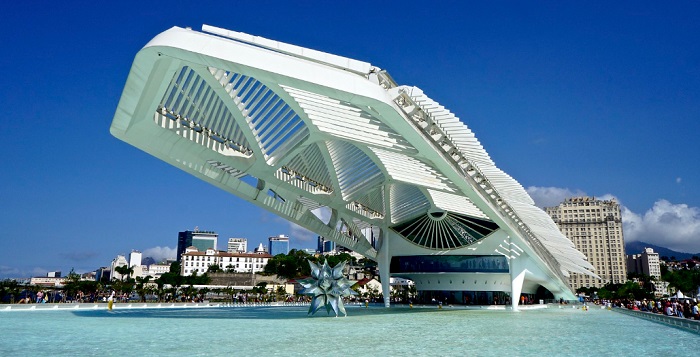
column 383, row 263
column 516, row 285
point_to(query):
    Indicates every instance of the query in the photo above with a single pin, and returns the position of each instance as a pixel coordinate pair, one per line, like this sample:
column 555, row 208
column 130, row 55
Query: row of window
column 226, row 259
column 239, row 268
column 221, row 265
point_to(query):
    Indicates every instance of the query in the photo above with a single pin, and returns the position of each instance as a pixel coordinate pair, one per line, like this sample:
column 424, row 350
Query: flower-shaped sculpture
column 327, row 287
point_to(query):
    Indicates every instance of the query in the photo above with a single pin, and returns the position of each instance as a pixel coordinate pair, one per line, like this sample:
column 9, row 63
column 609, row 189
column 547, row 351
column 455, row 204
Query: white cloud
column 609, row 197
column 674, row 226
column 551, row 196
column 297, row 232
column 301, row 234
column 8, row 272
column 678, row 180
column 160, row 253
column 323, row 213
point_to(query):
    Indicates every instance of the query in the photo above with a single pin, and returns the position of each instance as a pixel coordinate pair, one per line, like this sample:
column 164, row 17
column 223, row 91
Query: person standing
column 110, row 301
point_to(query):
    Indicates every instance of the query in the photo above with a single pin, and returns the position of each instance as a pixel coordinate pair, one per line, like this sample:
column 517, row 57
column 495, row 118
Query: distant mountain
column 148, row 261
column 638, row 247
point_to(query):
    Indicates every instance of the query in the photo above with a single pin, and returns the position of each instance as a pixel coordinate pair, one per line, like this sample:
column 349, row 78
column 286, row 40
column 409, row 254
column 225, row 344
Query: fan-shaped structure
column 292, row 130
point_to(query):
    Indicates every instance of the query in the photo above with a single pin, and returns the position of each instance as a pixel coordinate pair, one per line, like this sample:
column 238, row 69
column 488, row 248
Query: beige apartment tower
column 595, row 227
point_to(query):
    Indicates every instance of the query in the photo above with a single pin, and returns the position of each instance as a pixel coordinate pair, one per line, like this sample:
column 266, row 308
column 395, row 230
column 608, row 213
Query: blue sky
column 599, row 99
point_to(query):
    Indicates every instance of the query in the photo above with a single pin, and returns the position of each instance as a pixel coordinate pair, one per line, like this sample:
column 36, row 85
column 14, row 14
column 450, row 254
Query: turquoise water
column 287, row 331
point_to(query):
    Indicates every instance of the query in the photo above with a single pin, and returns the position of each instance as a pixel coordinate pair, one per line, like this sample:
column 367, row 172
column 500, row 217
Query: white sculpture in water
column 327, row 286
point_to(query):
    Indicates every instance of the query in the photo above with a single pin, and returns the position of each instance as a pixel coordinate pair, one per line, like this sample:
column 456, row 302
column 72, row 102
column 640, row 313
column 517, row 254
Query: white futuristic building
column 336, row 146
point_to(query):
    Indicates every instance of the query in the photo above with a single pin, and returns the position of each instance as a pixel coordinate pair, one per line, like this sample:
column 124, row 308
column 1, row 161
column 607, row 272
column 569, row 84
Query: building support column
column 383, row 263
column 517, row 277
column 516, row 286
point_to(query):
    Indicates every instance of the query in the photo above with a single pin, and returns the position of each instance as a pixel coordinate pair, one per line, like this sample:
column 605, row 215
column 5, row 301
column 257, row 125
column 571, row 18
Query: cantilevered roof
column 298, row 131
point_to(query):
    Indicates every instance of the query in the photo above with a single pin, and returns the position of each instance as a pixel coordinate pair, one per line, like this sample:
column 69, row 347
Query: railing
column 678, row 322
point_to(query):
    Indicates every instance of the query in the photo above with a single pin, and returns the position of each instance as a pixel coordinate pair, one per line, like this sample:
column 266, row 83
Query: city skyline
column 570, row 100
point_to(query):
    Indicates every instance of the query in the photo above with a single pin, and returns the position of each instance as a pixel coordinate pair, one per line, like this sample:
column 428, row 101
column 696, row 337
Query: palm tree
column 124, row 270
column 124, row 286
column 203, row 293
column 230, row 291
column 160, row 291
column 142, row 286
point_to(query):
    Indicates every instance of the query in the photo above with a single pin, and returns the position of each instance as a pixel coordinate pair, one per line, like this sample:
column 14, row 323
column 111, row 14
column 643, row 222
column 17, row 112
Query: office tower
column 278, row 245
column 325, row 246
column 237, row 245
column 646, row 263
column 135, row 258
column 202, row 240
column 595, row 228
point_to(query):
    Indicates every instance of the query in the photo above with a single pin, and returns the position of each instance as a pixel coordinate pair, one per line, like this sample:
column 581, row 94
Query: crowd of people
column 682, row 308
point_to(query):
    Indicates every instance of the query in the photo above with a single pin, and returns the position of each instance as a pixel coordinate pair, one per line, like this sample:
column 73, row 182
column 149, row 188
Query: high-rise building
column 135, row 258
column 202, row 240
column 278, row 245
column 103, row 274
column 319, row 245
column 325, row 246
column 595, row 228
column 646, row 263
column 120, row 260
column 237, row 245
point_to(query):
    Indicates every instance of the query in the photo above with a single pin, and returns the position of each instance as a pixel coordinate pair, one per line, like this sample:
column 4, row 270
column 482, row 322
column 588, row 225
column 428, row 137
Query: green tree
column 585, row 290
column 89, row 287
column 629, row 290
column 203, row 293
column 260, row 288
column 289, row 266
column 160, row 288
column 280, row 293
column 195, row 279
column 9, row 291
column 142, row 287
column 173, row 277
column 71, row 286
column 189, row 291
column 685, row 280
column 334, row 260
column 124, row 271
column 230, row 291
column 175, row 267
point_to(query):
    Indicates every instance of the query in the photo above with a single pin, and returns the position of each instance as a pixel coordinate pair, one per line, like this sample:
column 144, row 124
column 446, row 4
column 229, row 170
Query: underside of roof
column 298, row 131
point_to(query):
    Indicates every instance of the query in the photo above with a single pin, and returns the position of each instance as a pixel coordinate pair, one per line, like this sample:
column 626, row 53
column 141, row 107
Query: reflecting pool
column 375, row 331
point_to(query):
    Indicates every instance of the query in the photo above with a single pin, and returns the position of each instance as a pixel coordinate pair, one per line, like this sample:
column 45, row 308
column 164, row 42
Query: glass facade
column 278, row 245
column 463, row 297
column 202, row 240
column 204, row 243
column 449, row 264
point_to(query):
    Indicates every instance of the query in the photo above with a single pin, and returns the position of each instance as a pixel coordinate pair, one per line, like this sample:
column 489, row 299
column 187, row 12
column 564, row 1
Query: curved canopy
column 296, row 131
